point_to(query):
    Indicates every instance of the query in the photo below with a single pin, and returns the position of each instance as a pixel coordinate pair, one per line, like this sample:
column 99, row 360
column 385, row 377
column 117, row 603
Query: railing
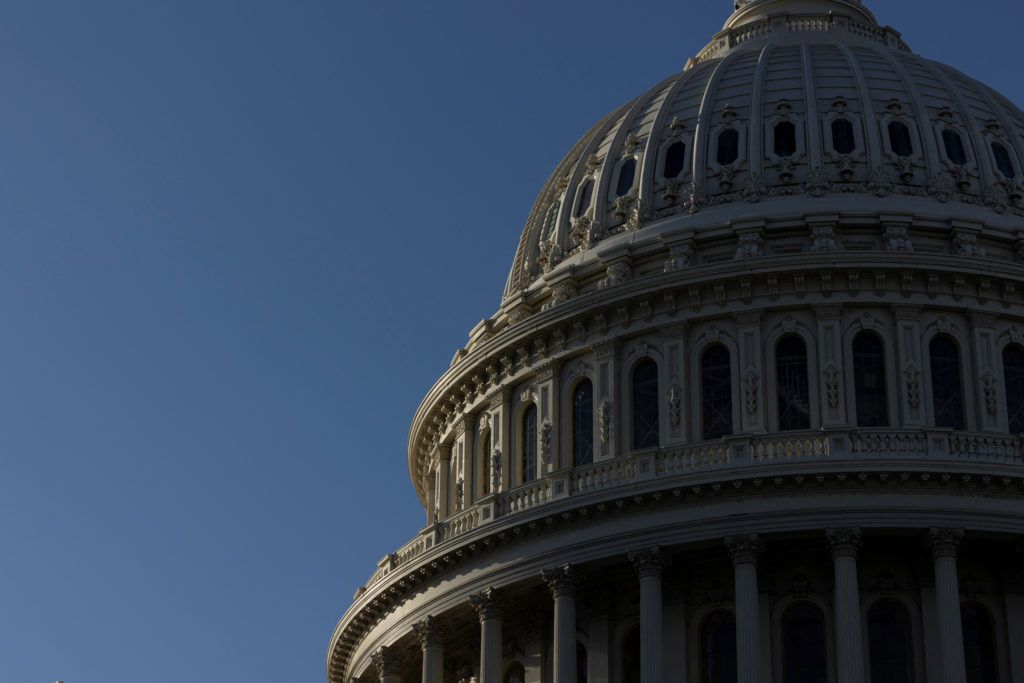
column 733, row 454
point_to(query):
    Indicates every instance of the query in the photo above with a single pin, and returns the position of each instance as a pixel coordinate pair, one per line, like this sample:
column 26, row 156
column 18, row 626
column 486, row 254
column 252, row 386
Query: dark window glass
column 785, row 139
column 728, row 146
column 899, row 139
column 529, row 433
column 583, row 197
column 890, row 642
column 979, row 644
column 718, row 648
column 583, row 423
column 947, row 390
column 645, row 405
column 792, row 385
column 869, row 381
column 1013, row 380
column 716, row 392
column 804, row 654
column 843, row 140
column 1003, row 161
column 675, row 160
column 552, row 218
column 485, row 462
column 631, row 657
column 626, row 174
column 954, row 147
column 581, row 663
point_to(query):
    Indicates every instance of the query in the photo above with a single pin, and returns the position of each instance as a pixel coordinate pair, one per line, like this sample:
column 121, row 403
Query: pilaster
column 911, row 366
column 550, row 457
column 752, row 375
column 830, row 366
column 606, row 409
column 987, row 390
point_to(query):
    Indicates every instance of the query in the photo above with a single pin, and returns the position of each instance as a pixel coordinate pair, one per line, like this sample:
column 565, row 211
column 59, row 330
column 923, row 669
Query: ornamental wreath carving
column 604, row 419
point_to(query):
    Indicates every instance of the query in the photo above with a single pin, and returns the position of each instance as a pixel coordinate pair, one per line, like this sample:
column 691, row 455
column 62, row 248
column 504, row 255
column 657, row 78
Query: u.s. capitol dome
column 750, row 409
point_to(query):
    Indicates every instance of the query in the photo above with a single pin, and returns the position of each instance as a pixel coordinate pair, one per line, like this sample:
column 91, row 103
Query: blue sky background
column 238, row 242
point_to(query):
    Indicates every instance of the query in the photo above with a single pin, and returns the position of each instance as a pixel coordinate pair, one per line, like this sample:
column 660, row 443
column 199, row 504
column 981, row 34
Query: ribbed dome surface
column 794, row 98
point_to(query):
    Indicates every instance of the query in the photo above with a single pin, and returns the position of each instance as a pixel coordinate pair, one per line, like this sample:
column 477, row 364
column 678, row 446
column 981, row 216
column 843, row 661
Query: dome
column 794, row 99
column 752, row 407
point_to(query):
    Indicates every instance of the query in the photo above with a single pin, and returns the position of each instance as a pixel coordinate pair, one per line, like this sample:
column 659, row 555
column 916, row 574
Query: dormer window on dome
column 843, row 139
column 899, row 139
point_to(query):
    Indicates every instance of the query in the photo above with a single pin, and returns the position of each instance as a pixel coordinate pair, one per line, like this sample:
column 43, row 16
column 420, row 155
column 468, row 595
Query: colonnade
column 745, row 550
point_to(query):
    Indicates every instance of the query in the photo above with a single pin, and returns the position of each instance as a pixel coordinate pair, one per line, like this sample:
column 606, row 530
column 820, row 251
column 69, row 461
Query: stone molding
column 944, row 542
column 488, row 603
column 744, row 548
column 649, row 562
column 562, row 580
column 844, row 542
column 388, row 661
column 431, row 631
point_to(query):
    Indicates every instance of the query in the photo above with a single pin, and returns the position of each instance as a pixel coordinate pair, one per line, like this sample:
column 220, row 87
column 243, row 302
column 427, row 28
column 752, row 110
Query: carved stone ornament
column 944, row 542
column 988, row 389
column 459, row 489
column 616, row 274
column 966, row 244
column 817, row 184
column 561, row 580
column 679, row 257
column 912, row 374
column 831, row 376
column 786, row 167
column 744, row 548
column 648, row 561
column 844, row 542
column 388, row 661
column 823, row 238
column 695, row 198
column 755, row 189
column 545, row 442
column 674, row 413
column 560, row 293
column 579, row 233
column 496, row 470
column 604, row 420
column 897, row 239
column 430, row 631
column 727, row 178
column 750, row 245
column 940, row 187
column 750, row 384
column 488, row 603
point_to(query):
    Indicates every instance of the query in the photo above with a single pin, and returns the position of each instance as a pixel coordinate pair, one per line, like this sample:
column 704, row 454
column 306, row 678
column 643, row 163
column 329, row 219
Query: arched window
column 514, row 673
column 529, row 445
column 954, row 147
column 979, row 644
column 947, row 389
column 718, row 648
column 804, row 652
column 631, row 657
column 581, row 663
column 792, row 386
column 716, row 392
column 583, row 423
column 728, row 146
column 675, row 160
column 869, row 381
column 627, row 172
column 785, row 139
column 645, row 405
column 485, row 462
column 583, row 197
column 843, row 139
column 1003, row 161
column 1013, row 383
column 899, row 139
column 551, row 220
column 890, row 643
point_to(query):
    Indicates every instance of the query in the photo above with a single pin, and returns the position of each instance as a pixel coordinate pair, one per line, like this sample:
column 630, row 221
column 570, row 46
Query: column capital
column 488, row 603
column 430, row 631
column 744, row 548
column 648, row 561
column 561, row 580
column 944, row 542
column 388, row 661
column 844, row 542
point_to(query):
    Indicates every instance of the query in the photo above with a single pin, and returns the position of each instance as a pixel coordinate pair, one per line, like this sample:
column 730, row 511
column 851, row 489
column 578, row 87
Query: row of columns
column 745, row 550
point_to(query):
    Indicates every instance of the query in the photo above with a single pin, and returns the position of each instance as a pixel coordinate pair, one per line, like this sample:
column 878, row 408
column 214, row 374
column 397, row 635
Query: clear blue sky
column 238, row 242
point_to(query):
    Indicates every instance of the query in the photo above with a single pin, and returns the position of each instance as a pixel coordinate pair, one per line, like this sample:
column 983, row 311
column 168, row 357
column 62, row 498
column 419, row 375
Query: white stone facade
column 779, row 393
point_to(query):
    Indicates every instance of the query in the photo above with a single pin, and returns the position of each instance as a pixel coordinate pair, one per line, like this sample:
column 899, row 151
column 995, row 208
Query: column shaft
column 565, row 638
column 849, row 639
column 490, row 650
column 433, row 664
column 651, row 626
column 945, row 544
column 745, row 550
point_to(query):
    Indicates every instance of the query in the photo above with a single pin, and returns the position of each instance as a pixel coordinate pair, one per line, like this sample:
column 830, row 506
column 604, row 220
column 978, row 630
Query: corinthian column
column 389, row 662
column 649, row 565
column 849, row 642
column 431, row 632
column 562, row 582
column 488, row 604
column 745, row 550
column 945, row 544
